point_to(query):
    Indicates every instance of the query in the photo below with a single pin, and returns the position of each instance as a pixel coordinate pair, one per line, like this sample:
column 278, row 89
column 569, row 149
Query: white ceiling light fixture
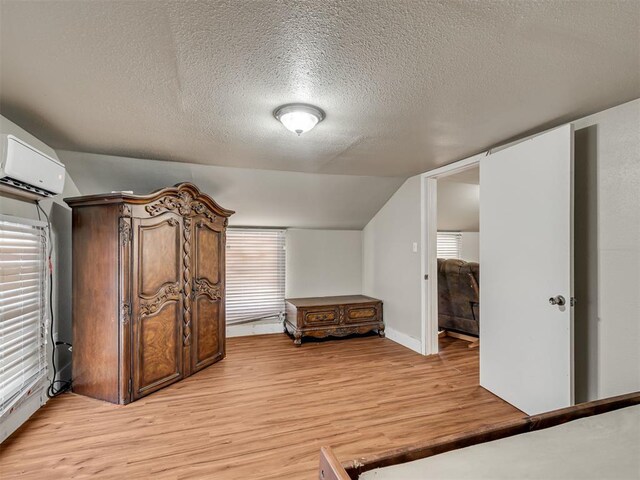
column 299, row 117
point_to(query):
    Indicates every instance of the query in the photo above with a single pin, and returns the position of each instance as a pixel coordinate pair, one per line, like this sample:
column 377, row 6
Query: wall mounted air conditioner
column 26, row 171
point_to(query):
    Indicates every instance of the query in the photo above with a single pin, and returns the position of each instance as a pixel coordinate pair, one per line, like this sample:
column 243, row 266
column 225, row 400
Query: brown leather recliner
column 458, row 296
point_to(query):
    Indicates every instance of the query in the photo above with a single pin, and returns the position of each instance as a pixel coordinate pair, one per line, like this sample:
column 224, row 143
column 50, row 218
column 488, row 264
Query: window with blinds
column 449, row 245
column 23, row 286
column 255, row 274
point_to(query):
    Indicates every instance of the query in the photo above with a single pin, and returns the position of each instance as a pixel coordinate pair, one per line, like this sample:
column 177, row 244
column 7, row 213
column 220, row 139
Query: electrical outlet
column 415, row 247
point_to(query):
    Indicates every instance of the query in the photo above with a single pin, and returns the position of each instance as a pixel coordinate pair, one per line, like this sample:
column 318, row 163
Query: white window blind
column 23, row 287
column 449, row 244
column 255, row 274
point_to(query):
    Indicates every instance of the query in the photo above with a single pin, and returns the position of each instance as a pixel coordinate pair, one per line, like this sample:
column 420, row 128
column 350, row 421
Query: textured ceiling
column 407, row 85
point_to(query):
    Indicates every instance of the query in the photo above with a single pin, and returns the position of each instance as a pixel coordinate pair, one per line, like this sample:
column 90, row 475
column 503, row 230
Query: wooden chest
column 333, row 316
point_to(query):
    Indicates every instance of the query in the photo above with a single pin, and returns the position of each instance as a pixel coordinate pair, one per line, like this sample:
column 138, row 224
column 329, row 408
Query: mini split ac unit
column 26, row 171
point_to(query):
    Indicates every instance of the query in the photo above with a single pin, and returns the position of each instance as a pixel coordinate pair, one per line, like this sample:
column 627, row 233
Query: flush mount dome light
column 299, row 117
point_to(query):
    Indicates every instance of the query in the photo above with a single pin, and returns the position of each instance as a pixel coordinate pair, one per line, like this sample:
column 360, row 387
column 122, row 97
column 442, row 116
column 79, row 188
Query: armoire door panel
column 159, row 348
column 208, row 291
column 158, row 301
column 159, row 254
column 206, row 331
column 208, row 242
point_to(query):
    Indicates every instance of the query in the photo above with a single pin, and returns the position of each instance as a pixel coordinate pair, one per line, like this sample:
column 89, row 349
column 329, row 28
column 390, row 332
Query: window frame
column 36, row 384
column 232, row 297
column 458, row 241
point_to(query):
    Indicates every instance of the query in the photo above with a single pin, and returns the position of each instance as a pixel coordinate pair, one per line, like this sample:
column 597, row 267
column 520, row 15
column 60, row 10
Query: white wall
column 60, row 216
column 458, row 206
column 391, row 269
column 323, row 263
column 610, row 141
column 470, row 246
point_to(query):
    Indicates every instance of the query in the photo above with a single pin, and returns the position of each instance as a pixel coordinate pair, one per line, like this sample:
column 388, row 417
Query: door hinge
column 426, row 277
column 130, row 386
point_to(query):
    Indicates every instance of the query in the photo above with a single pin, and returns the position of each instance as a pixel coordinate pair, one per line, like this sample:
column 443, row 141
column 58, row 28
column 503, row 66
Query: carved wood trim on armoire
column 148, row 290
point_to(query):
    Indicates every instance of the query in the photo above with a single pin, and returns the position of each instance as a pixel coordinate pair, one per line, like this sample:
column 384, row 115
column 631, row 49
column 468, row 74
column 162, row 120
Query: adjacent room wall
column 459, row 211
column 470, row 246
column 60, row 216
column 458, row 206
column 391, row 267
column 323, row 263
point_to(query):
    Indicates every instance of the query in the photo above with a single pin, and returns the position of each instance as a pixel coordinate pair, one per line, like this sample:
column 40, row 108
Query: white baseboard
column 403, row 339
column 261, row 328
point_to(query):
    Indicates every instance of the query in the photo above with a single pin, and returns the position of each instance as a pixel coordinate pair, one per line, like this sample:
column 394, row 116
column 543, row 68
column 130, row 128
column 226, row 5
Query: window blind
column 449, row 244
column 255, row 274
column 23, row 286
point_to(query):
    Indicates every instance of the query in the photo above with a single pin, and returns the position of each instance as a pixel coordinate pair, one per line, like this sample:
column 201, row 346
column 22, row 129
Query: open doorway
column 460, row 177
column 526, row 255
column 458, row 255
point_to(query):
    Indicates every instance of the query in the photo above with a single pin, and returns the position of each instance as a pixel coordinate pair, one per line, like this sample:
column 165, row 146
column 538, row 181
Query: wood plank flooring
column 262, row 413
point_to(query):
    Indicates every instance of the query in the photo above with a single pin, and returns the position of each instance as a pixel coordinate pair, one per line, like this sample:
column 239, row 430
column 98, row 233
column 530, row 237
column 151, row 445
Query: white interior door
column 526, row 264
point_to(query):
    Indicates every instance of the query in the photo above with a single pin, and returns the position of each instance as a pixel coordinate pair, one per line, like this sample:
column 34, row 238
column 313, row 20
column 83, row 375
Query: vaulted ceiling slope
column 407, row 85
column 261, row 198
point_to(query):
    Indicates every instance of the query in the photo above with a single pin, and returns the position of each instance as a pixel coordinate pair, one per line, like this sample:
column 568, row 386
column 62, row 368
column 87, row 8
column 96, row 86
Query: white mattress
column 601, row 447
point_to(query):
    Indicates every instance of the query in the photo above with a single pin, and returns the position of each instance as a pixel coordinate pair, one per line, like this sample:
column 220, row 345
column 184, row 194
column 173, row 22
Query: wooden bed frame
column 332, row 469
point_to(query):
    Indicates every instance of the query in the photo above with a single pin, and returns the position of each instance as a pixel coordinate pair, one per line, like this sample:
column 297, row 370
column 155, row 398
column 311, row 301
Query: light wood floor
column 262, row 413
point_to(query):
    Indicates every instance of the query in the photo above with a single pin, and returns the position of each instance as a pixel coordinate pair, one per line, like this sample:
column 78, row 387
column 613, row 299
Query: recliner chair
column 459, row 296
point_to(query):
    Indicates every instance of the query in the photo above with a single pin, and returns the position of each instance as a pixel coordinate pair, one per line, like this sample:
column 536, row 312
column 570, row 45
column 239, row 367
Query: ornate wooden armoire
column 148, row 290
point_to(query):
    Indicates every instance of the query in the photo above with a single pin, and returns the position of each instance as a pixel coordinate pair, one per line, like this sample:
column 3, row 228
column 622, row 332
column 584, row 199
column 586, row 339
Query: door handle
column 558, row 300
